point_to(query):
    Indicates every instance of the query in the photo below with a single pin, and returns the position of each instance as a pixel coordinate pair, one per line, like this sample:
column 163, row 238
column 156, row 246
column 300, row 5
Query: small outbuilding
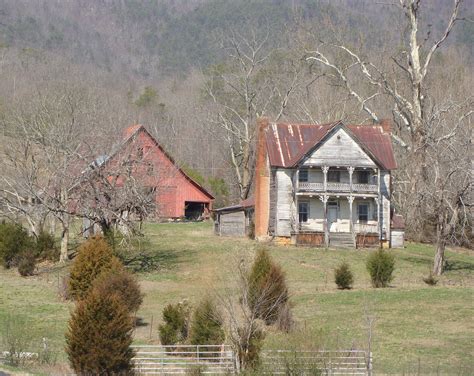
column 398, row 231
column 235, row 220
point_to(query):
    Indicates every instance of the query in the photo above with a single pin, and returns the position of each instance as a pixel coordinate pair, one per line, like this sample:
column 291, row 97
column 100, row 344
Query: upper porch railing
column 337, row 187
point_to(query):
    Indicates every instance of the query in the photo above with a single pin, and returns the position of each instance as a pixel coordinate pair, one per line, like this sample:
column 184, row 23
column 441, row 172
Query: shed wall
column 232, row 224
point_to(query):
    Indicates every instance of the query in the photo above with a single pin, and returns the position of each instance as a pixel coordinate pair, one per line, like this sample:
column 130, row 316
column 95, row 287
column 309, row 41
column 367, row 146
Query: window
column 333, row 176
column 363, row 212
column 303, row 176
column 303, row 211
column 363, row 177
column 140, row 153
column 150, row 169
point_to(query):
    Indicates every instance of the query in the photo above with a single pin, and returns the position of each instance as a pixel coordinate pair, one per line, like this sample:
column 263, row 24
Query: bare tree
column 51, row 147
column 408, row 86
column 245, row 314
column 248, row 85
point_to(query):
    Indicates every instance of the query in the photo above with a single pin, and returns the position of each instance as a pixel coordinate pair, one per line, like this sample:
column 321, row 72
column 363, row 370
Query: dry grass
column 417, row 327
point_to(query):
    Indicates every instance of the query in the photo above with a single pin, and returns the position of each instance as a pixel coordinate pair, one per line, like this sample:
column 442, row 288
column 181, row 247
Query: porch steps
column 341, row 240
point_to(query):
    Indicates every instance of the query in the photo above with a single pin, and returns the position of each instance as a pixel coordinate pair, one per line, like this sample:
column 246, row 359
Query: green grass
column 416, row 327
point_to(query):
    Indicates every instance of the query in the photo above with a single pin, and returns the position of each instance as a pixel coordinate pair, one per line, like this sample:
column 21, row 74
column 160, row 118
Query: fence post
column 197, row 353
column 369, row 370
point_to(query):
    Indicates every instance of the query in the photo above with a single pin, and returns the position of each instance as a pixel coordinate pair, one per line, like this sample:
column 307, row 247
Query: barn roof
column 129, row 134
column 287, row 143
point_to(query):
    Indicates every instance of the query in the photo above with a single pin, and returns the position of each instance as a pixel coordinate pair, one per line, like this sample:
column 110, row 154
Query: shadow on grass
column 152, row 260
column 140, row 322
column 419, row 260
column 458, row 265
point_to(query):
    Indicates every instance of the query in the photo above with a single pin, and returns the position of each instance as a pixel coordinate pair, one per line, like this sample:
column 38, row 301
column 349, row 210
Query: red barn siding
column 156, row 169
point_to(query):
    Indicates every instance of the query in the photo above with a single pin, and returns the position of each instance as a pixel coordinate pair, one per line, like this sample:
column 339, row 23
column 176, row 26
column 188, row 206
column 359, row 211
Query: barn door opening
column 193, row 210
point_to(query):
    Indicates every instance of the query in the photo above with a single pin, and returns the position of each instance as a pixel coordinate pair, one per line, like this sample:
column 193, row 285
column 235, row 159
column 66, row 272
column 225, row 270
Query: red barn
column 176, row 194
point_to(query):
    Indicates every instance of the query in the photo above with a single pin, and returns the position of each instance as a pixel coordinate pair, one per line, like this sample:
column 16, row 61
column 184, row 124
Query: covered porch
column 336, row 220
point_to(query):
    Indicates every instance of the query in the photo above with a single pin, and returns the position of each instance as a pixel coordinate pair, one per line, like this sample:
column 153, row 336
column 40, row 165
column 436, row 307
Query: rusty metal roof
column 287, row 144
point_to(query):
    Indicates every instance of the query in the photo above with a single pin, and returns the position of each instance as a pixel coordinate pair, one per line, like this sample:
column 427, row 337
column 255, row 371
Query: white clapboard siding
column 385, row 192
column 284, row 203
column 339, row 150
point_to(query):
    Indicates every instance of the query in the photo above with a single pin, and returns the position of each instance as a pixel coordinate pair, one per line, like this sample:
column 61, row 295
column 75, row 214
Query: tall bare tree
column 248, row 85
column 407, row 84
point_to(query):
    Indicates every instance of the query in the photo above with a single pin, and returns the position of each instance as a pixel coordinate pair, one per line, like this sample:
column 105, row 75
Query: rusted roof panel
column 287, row 144
column 377, row 142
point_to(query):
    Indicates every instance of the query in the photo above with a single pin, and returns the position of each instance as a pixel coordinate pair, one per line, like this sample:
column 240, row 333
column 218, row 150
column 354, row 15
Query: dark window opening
column 303, row 211
column 334, row 176
column 140, row 153
column 194, row 210
column 303, row 176
column 364, row 177
column 363, row 212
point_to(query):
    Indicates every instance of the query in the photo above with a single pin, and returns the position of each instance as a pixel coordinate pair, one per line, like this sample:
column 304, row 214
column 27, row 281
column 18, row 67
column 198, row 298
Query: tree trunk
column 52, row 225
column 444, row 228
column 438, row 266
column 63, row 257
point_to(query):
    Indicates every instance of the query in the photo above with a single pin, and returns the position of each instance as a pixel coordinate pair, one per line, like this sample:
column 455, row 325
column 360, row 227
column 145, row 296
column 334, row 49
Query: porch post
column 351, row 171
column 379, row 201
column 351, row 221
column 324, row 199
column 325, row 172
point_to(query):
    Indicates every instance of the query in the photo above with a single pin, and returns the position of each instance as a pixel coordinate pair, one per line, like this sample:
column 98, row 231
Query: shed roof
column 287, row 144
column 244, row 204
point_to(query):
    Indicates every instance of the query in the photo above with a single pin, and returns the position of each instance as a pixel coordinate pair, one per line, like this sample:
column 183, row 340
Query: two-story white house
column 326, row 185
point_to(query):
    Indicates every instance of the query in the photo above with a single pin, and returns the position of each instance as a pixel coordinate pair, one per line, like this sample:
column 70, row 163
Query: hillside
column 151, row 38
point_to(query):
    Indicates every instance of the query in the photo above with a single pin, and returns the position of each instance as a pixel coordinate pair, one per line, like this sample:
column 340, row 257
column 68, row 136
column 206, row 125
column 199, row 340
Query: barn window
column 363, row 212
column 363, row 177
column 140, row 153
column 303, row 176
column 303, row 211
column 150, row 169
column 334, row 176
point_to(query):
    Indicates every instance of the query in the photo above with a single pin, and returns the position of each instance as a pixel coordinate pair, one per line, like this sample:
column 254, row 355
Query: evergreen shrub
column 46, row 248
column 14, row 241
column 343, row 276
column 26, row 264
column 119, row 281
column 206, row 325
column 268, row 292
column 94, row 257
column 99, row 336
column 175, row 328
column 380, row 266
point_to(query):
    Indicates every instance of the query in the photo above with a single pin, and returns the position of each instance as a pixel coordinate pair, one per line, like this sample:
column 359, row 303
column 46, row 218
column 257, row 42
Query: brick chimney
column 386, row 125
column 262, row 183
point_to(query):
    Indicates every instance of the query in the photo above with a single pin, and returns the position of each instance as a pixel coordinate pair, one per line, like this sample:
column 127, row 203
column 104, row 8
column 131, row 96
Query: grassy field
column 417, row 328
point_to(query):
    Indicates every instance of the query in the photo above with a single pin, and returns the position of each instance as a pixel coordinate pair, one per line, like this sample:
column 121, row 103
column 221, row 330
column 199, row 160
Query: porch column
column 379, row 201
column 351, row 222
column 324, row 199
column 325, row 173
column 351, row 171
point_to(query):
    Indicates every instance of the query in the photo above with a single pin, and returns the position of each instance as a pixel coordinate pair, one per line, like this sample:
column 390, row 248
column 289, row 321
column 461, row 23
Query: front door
column 332, row 217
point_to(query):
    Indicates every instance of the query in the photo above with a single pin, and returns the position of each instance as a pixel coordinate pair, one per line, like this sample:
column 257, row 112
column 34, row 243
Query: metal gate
column 284, row 362
column 181, row 359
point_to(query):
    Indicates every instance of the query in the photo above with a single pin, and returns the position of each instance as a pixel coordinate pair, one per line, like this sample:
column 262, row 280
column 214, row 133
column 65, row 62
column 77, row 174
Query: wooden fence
column 181, row 359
